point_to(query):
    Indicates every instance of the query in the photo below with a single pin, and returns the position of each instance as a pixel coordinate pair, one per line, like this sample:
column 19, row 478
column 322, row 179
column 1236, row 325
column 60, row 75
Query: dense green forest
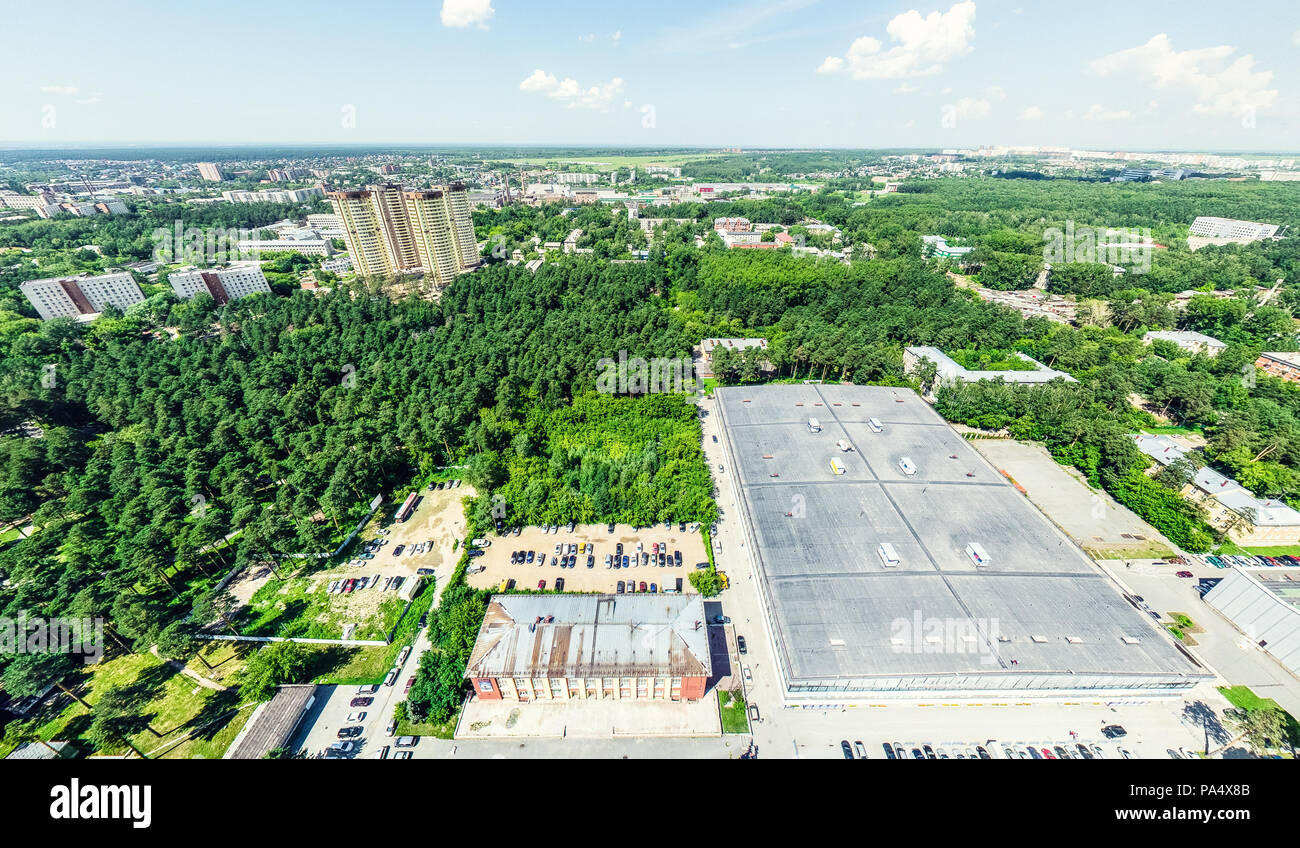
column 266, row 427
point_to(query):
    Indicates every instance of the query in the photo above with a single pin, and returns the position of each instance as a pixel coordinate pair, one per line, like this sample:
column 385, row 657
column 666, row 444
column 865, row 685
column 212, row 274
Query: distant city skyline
column 1153, row 76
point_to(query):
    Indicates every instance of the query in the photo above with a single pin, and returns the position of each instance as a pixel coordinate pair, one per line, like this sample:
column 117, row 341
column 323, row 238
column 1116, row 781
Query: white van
column 837, row 467
column 977, row 554
column 888, row 555
column 814, row 426
column 875, row 425
column 907, row 466
column 391, row 677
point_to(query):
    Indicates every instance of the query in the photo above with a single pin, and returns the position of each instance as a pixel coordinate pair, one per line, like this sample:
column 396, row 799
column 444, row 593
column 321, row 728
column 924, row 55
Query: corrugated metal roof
column 592, row 636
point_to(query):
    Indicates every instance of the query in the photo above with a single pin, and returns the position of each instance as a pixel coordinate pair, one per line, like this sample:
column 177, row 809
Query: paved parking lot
column 498, row 567
column 1100, row 526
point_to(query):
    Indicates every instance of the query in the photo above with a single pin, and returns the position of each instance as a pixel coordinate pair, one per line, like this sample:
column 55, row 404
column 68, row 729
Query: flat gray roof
column 1040, row 606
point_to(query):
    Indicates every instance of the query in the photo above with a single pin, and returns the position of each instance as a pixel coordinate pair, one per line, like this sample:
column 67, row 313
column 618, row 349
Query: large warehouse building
column 1263, row 603
column 895, row 563
column 561, row 647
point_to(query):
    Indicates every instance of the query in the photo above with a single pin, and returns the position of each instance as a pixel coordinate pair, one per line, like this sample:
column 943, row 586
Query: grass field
column 300, row 607
column 1244, row 698
column 1278, row 550
column 735, row 719
column 171, row 706
column 369, row 665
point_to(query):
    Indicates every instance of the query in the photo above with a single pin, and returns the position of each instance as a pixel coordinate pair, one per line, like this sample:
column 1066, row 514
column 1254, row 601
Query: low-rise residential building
column 1284, row 365
column 937, row 246
column 1264, row 604
column 949, row 371
column 1229, row 506
column 83, row 297
column 707, row 347
column 1207, row 230
column 307, row 247
column 574, row 647
column 1189, row 340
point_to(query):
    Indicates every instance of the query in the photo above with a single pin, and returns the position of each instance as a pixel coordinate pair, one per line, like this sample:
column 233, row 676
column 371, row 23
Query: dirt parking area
column 438, row 521
column 498, row 567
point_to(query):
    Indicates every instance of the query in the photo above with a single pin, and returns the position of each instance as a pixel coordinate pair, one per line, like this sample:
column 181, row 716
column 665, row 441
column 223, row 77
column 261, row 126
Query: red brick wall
column 693, row 688
column 487, row 689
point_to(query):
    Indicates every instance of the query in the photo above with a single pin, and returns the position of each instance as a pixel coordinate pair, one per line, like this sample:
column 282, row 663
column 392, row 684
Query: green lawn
column 288, row 608
column 1243, row 698
column 370, row 665
column 735, row 719
column 172, row 704
column 1172, row 430
column 1278, row 550
column 438, row 731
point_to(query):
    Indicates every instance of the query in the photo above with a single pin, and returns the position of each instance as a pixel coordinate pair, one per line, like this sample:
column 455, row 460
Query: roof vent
column 1130, row 640
column 1039, row 639
column 1074, row 640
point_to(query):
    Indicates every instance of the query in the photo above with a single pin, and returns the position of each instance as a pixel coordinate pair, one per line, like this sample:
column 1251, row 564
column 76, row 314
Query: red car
column 641, row 588
column 541, row 584
column 1048, row 754
column 409, row 684
column 1186, row 574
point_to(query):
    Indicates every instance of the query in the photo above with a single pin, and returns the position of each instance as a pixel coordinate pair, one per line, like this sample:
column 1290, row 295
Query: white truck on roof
column 888, row 555
column 907, row 466
column 875, row 425
column 977, row 554
column 814, row 426
column 837, row 467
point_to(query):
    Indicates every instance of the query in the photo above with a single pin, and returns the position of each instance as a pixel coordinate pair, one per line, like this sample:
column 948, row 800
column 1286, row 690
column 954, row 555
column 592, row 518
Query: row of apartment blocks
column 390, row 230
column 46, row 205
column 83, row 298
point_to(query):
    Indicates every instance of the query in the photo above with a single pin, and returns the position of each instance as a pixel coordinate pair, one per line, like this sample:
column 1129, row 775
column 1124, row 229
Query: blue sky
column 789, row 73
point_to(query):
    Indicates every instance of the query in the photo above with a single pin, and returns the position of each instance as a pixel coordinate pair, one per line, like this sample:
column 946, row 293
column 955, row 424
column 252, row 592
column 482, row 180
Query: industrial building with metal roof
column 911, row 568
column 558, row 646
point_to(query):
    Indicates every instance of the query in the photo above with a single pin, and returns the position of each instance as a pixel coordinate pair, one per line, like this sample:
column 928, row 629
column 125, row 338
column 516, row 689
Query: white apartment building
column 288, row 195
column 307, row 247
column 81, row 297
column 211, row 172
column 1227, row 228
column 13, row 200
column 236, row 280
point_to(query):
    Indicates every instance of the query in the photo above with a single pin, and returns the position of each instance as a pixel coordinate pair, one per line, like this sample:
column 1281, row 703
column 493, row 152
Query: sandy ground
column 589, row 718
column 439, row 517
column 1102, row 527
column 581, row 578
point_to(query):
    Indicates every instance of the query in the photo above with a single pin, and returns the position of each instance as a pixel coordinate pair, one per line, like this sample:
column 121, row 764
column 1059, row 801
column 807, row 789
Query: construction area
column 894, row 562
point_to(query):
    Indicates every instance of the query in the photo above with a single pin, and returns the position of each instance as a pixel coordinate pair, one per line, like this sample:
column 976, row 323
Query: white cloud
column 1295, row 38
column 617, row 36
column 86, row 101
column 599, row 96
column 1219, row 84
column 995, row 92
column 1033, row 113
column 1097, row 113
column 970, row 108
column 463, row 13
column 67, row 90
column 923, row 46
column 907, row 88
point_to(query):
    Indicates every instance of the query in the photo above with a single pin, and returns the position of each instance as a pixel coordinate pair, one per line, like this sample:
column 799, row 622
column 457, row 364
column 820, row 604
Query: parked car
column 929, row 752
column 642, row 587
column 409, row 684
column 510, row 584
column 740, row 641
column 361, row 702
column 408, row 741
column 349, row 732
column 625, row 565
column 847, row 749
column 559, row 584
column 654, row 588
column 368, row 689
column 745, row 669
column 382, row 754
column 609, row 560
column 343, row 747
column 618, row 549
column 541, row 584
column 619, row 588
column 397, row 551
column 391, row 730
column 721, row 619
column 1185, row 574
column 889, row 751
column 532, row 555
